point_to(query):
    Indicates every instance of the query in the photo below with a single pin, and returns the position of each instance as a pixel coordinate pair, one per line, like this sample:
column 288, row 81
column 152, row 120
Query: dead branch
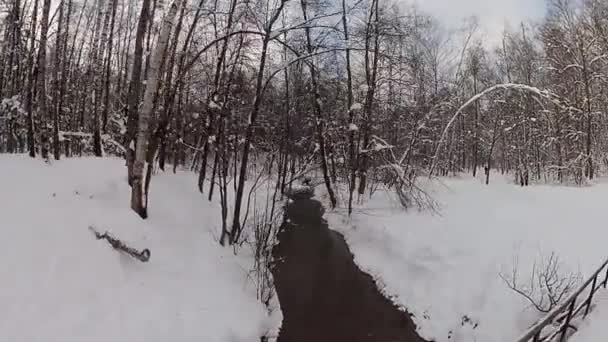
column 142, row 256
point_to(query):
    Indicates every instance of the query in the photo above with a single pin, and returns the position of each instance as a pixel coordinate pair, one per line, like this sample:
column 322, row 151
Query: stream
column 324, row 295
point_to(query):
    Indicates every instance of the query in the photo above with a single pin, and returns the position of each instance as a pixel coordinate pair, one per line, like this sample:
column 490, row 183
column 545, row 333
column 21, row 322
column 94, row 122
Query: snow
column 595, row 59
column 593, row 329
column 572, row 66
column 356, row 106
column 108, row 140
column 353, row 127
column 121, row 123
column 445, row 268
column 214, row 105
column 13, row 104
column 505, row 86
column 61, row 284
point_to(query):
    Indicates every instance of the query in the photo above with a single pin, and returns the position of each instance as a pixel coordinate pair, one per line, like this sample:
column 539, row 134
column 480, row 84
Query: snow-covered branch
column 545, row 94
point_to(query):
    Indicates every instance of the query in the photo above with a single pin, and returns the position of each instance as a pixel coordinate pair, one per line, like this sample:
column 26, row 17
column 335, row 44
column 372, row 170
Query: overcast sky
column 492, row 14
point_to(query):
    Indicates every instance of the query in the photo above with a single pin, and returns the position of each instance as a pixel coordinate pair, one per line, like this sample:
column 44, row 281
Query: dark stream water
column 324, row 296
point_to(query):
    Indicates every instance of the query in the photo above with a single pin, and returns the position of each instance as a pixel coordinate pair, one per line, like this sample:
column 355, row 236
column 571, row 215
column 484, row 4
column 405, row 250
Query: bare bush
column 548, row 285
column 402, row 175
column 265, row 231
column 263, row 217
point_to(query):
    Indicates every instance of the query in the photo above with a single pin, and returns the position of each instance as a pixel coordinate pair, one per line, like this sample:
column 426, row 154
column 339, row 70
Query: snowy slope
column 58, row 283
column 445, row 267
column 594, row 329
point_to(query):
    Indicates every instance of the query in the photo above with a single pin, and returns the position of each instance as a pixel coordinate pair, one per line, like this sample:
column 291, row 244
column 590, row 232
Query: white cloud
column 492, row 14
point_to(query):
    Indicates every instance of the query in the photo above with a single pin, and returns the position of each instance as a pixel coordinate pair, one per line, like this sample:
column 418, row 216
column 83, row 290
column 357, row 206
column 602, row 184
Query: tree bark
column 352, row 153
column 139, row 198
column 32, row 73
column 57, row 81
column 135, row 89
column 370, row 76
column 41, row 103
column 107, row 76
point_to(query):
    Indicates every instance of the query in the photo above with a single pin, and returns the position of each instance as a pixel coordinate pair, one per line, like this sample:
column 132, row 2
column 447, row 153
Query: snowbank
column 59, row 283
column 593, row 329
column 445, row 268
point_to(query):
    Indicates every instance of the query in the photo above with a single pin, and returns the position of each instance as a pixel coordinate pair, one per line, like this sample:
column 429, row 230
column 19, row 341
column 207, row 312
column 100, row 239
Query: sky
column 492, row 14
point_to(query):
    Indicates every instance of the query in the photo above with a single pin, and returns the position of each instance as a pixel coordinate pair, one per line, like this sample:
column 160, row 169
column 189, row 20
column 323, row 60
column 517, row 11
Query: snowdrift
column 445, row 268
column 59, row 283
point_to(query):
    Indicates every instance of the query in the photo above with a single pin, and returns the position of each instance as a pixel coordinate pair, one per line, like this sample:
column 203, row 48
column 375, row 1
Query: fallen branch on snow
column 142, row 256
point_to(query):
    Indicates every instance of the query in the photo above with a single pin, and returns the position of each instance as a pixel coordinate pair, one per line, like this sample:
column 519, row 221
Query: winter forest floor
column 61, row 284
column 445, row 268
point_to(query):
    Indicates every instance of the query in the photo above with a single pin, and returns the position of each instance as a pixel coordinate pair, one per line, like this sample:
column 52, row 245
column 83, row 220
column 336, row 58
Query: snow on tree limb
column 555, row 99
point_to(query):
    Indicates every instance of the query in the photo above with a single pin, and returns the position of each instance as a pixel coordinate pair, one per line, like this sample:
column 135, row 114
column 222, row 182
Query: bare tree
column 268, row 25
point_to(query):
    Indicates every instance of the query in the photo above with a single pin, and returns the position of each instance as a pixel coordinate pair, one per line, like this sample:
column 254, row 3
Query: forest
column 367, row 93
column 201, row 141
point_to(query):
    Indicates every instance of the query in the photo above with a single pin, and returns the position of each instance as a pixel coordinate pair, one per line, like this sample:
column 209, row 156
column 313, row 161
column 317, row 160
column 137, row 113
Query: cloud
column 493, row 15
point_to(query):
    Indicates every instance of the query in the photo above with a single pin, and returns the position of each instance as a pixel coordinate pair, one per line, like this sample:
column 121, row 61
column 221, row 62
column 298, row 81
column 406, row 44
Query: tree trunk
column 139, row 198
column 57, row 81
column 476, row 128
column 319, row 119
column 32, row 75
column 216, row 85
column 94, row 94
column 135, row 89
column 42, row 100
column 370, row 76
column 352, row 153
column 589, row 164
column 158, row 136
column 259, row 87
column 110, row 45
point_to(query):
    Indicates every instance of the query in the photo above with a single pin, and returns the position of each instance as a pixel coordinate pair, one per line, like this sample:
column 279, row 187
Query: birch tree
column 139, row 196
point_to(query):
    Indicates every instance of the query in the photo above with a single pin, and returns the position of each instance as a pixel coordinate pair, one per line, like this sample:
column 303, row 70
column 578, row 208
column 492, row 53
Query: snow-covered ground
column 446, row 268
column 58, row 283
column 594, row 329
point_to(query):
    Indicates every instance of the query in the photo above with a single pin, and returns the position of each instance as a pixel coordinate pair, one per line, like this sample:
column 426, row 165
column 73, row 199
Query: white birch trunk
column 139, row 201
